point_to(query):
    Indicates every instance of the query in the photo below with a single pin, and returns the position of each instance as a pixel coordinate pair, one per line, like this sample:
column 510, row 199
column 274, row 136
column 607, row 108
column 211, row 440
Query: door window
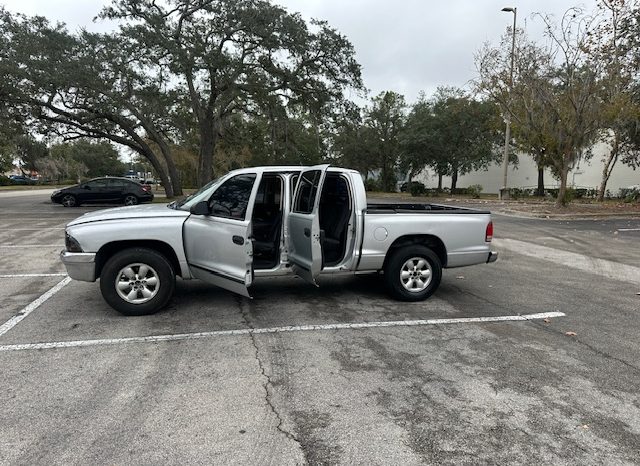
column 96, row 184
column 232, row 198
column 117, row 184
column 307, row 192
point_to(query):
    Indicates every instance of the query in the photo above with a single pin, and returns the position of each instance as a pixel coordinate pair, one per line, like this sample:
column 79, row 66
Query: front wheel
column 69, row 200
column 413, row 273
column 137, row 281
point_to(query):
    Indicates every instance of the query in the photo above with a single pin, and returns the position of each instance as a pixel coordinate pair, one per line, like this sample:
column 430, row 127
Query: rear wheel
column 130, row 199
column 413, row 273
column 69, row 200
column 137, row 281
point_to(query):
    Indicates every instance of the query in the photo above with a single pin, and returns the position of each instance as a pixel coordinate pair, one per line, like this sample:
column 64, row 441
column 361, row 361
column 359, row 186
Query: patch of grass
column 443, row 195
column 31, row 187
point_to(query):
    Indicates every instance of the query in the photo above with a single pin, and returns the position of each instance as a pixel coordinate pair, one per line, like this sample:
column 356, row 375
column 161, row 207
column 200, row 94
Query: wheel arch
column 431, row 241
column 109, row 249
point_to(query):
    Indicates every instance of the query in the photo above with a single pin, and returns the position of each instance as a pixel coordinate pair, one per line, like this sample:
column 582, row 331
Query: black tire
column 131, row 199
column 415, row 280
column 69, row 200
column 157, row 265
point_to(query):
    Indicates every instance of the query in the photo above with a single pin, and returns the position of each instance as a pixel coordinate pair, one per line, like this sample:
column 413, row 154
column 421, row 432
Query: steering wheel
column 217, row 208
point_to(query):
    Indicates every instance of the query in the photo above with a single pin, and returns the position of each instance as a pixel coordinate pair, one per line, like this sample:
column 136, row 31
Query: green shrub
column 569, row 195
column 629, row 194
column 474, row 190
column 517, row 193
column 372, row 185
column 69, row 181
column 417, row 189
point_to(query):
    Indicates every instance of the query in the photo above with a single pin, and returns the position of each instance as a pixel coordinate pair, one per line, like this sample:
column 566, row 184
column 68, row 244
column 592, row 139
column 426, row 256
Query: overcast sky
column 406, row 46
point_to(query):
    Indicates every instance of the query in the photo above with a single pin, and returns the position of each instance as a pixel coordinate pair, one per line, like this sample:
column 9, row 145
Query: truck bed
column 416, row 208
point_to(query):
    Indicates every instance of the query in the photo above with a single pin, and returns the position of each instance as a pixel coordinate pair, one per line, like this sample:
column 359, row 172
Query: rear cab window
column 306, row 192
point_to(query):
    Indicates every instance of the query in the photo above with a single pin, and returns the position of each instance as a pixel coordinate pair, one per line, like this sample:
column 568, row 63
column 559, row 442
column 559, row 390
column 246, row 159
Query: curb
column 568, row 216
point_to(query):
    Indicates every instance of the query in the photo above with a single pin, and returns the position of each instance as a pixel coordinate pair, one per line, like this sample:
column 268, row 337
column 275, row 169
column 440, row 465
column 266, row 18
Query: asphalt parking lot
column 339, row 374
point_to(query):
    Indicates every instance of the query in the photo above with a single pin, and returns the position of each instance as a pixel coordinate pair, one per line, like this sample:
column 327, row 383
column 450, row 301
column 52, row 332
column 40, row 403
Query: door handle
column 307, row 233
column 238, row 239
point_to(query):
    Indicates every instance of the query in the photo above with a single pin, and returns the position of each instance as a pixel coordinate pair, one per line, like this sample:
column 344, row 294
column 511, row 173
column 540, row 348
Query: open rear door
column 305, row 249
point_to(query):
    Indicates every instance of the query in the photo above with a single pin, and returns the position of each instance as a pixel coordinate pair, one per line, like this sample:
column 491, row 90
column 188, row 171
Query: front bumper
column 80, row 265
column 493, row 256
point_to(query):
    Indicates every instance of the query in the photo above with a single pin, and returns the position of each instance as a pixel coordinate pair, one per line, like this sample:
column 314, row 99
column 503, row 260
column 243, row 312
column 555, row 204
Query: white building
column 587, row 174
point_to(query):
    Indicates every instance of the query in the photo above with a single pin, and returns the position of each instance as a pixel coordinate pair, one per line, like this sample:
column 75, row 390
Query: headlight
column 71, row 243
column 56, row 192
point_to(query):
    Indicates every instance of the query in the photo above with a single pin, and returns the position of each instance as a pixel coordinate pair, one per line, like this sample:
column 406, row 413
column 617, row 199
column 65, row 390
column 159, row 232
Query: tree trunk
column 207, row 146
column 383, row 175
column 540, row 191
column 454, row 180
column 272, row 120
column 176, row 182
column 562, row 192
column 609, row 163
column 439, row 181
column 147, row 153
column 161, row 141
column 174, row 177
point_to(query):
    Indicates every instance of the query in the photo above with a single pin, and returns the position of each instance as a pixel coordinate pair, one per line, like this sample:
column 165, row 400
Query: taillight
column 488, row 236
column 146, row 188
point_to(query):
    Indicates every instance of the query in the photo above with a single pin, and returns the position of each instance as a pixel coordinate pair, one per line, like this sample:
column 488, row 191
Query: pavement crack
column 268, row 384
column 599, row 352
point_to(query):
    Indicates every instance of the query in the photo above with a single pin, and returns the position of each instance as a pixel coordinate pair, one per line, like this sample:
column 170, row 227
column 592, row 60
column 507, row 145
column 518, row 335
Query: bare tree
column 555, row 101
column 612, row 46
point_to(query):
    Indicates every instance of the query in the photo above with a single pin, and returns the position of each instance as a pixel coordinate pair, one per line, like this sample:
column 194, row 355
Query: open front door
column 218, row 243
column 305, row 248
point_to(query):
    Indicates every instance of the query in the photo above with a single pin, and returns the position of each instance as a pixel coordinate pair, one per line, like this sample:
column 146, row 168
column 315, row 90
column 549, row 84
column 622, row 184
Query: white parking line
column 32, row 275
column 15, row 320
column 628, row 229
column 292, row 328
column 602, row 267
column 15, row 246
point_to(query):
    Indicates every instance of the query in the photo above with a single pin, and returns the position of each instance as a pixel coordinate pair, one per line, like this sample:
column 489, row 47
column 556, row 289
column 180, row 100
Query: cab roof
column 287, row 168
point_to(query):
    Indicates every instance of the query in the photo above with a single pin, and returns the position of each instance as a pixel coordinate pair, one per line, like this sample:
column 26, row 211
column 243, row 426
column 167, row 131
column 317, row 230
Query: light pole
column 504, row 191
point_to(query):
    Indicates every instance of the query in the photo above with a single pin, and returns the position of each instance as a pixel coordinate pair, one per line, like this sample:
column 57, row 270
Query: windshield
column 202, row 194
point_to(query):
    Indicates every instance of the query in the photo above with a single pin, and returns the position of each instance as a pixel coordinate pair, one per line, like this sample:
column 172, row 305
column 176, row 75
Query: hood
column 66, row 188
column 130, row 212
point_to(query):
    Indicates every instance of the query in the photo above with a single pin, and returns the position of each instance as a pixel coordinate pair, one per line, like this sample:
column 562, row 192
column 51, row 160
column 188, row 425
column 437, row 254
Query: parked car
column 21, row 179
column 265, row 221
column 106, row 190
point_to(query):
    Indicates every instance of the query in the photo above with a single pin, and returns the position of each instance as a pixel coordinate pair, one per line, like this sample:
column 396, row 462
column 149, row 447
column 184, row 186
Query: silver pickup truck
column 267, row 221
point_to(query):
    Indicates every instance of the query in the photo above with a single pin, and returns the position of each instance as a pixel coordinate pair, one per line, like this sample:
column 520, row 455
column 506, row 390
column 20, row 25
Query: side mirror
column 86, row 186
column 201, row 208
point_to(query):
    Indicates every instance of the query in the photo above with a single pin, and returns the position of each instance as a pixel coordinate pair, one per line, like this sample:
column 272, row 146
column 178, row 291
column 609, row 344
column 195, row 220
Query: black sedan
column 103, row 191
column 21, row 179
